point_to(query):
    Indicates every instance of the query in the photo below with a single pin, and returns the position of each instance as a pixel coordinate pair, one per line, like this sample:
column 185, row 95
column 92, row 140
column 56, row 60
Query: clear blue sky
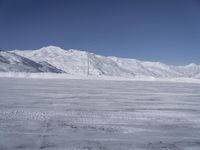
column 156, row 30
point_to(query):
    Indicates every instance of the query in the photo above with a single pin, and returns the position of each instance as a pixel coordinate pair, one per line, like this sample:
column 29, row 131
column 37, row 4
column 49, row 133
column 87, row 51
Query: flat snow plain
column 64, row 114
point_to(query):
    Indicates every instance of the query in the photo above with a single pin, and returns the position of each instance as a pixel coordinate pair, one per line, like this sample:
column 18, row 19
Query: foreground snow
column 98, row 115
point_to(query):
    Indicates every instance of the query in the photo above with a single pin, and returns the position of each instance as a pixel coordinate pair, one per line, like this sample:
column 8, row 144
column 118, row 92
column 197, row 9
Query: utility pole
column 88, row 64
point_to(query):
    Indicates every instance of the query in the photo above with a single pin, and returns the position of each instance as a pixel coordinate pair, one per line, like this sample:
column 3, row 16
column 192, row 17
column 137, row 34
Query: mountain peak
column 51, row 48
column 76, row 51
column 54, row 49
column 191, row 65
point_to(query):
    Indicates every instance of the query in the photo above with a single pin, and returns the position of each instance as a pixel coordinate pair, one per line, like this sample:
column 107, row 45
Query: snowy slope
column 10, row 62
column 76, row 62
column 161, row 70
column 191, row 70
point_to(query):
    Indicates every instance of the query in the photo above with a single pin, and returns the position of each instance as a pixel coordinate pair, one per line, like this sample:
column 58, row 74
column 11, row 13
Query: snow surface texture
column 45, row 75
column 98, row 115
column 77, row 62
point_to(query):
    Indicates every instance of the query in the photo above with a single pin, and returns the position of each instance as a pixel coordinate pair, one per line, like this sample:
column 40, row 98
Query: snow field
column 76, row 114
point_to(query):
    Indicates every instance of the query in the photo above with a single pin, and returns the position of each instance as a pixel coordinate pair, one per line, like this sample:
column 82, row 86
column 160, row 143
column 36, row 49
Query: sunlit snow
column 64, row 114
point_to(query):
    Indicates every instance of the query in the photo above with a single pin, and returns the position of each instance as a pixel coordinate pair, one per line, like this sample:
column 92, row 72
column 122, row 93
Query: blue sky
column 155, row 30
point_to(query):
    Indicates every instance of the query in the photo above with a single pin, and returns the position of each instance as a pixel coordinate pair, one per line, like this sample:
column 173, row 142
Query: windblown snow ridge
column 75, row 62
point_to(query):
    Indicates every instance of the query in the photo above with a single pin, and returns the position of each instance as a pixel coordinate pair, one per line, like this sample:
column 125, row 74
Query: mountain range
column 75, row 62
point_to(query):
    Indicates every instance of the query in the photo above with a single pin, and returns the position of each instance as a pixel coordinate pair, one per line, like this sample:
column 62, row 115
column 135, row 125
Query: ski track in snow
column 66, row 114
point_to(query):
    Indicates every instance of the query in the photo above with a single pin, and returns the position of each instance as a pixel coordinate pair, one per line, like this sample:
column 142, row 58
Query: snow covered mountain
column 10, row 62
column 191, row 70
column 76, row 62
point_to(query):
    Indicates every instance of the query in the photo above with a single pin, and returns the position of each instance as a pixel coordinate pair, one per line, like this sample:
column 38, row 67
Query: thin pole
column 88, row 64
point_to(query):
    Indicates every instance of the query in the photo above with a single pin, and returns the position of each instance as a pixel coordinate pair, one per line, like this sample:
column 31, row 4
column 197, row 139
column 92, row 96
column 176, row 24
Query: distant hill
column 11, row 62
column 76, row 62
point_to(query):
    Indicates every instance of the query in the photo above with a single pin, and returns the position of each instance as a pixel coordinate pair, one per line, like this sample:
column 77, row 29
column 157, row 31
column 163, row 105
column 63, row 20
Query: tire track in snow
column 43, row 134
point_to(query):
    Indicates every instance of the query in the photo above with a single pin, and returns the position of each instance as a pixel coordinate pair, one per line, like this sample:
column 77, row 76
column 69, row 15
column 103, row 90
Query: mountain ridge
column 79, row 62
column 11, row 62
